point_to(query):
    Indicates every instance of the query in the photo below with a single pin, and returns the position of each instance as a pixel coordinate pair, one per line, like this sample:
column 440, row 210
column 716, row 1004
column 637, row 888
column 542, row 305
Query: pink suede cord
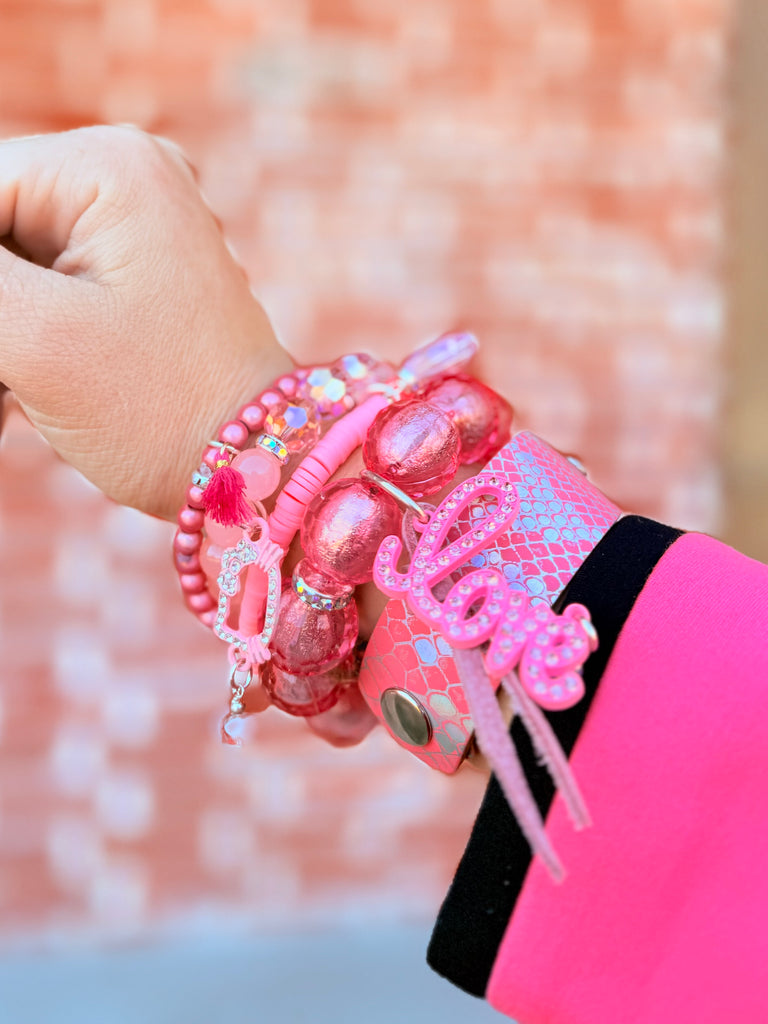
column 661, row 918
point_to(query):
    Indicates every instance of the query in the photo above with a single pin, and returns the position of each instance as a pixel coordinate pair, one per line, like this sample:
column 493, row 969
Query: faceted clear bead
column 359, row 372
column 294, row 422
column 327, row 392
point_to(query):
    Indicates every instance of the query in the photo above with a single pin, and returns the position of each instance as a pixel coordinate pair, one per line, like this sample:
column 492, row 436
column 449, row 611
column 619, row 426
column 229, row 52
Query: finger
column 41, row 195
column 33, row 300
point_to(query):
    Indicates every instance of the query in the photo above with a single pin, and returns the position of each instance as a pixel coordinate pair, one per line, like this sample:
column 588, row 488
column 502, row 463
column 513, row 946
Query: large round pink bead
column 306, row 640
column 300, row 695
column 475, row 412
column 261, row 472
column 344, row 526
column 414, row 445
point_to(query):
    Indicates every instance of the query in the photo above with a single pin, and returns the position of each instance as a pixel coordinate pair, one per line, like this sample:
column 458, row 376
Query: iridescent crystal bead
column 327, row 392
column 294, row 422
column 359, row 372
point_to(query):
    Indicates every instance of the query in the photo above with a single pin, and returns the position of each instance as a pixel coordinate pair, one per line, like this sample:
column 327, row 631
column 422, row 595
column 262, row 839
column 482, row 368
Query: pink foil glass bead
column 344, row 526
column 447, row 354
column 300, row 695
column 307, row 641
column 308, row 578
column 261, row 472
column 294, row 422
column 414, row 445
column 476, row 412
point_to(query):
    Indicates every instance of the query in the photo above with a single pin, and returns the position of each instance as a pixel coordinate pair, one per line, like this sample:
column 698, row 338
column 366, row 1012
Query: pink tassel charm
column 224, row 497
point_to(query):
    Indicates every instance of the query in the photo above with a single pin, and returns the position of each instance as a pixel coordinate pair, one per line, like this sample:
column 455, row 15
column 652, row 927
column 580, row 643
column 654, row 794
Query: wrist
column 221, row 388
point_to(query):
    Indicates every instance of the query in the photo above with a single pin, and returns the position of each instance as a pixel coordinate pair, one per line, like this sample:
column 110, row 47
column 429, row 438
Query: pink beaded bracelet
column 294, row 409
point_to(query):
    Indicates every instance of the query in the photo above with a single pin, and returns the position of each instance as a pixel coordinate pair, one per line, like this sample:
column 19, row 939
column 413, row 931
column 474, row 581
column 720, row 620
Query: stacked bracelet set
column 298, row 630
column 293, row 621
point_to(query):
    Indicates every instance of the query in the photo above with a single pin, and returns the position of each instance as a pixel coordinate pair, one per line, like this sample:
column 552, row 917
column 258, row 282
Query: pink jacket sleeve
column 662, row 918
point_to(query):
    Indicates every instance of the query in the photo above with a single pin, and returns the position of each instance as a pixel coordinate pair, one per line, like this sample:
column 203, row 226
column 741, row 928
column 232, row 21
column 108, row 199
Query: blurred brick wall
column 546, row 172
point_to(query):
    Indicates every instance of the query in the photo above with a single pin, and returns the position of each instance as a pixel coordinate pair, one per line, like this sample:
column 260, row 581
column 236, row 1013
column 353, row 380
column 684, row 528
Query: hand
column 128, row 333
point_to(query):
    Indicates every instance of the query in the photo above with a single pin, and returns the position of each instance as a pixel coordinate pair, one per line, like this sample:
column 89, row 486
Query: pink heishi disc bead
column 288, row 386
column 260, row 470
column 234, row 433
column 306, row 640
column 474, row 410
column 191, row 519
column 252, row 416
column 344, row 526
column 187, row 543
column 414, row 445
column 270, row 397
column 300, row 695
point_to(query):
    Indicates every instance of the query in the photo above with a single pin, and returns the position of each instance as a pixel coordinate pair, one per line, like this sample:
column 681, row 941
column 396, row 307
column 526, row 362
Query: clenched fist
column 128, row 333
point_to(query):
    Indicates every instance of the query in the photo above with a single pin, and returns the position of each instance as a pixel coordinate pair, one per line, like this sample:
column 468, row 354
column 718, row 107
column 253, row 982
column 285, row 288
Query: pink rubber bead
column 270, row 397
column 288, row 385
column 344, row 527
column 193, row 582
column 195, row 496
column 207, row 618
column 306, row 640
column 186, row 563
column 202, row 602
column 300, row 695
column 474, row 410
column 191, row 519
column 187, row 543
column 415, row 446
column 261, row 472
column 253, row 416
column 234, row 433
